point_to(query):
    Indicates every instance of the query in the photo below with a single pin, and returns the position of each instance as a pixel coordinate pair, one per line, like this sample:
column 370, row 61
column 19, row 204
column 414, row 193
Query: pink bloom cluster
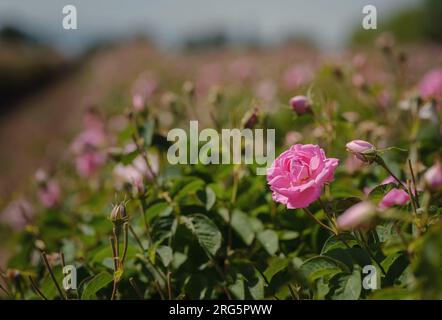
column 87, row 145
column 298, row 175
column 431, row 85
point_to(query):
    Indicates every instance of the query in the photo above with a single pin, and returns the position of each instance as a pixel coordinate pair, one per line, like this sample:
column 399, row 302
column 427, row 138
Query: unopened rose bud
column 118, row 214
column 395, row 197
column 250, row 119
column 359, row 215
column 363, row 150
column 300, row 104
column 433, row 176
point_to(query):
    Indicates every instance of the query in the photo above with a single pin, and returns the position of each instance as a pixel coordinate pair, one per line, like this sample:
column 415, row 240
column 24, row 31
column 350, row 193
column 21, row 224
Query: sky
column 327, row 22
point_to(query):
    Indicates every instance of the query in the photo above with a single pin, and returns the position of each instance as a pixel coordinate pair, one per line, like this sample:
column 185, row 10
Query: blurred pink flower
column 143, row 89
column 292, row 137
column 353, row 164
column 296, row 76
column 88, row 162
column 242, row 69
column 138, row 102
column 358, row 80
column 300, row 105
column 384, row 99
column 17, row 214
column 298, row 175
column 49, row 194
column 433, row 176
column 359, row 215
column 431, row 84
column 135, row 173
column 266, row 90
column 395, row 197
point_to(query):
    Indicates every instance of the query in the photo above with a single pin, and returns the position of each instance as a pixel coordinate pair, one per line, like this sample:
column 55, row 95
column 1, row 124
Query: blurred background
column 48, row 75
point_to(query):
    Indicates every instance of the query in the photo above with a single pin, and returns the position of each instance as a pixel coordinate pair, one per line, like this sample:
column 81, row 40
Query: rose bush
column 137, row 227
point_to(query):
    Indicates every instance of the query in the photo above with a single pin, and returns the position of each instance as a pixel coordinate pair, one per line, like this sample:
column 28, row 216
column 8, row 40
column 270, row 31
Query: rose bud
column 250, row 119
column 363, row 150
column 300, row 104
column 395, row 197
column 358, row 215
column 433, row 176
column 118, row 214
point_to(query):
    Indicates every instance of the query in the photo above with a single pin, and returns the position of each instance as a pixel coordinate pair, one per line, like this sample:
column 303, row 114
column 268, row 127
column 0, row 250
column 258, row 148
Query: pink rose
column 356, row 216
column 431, row 84
column 395, row 197
column 433, row 176
column 298, row 175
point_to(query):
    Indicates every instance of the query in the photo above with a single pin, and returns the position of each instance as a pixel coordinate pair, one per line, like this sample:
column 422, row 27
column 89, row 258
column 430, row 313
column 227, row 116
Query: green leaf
column 322, row 266
column 242, row 226
column 206, row 231
column 97, row 283
column 269, row 240
column 275, row 266
column 166, row 255
column 147, row 132
column 343, row 241
column 378, row 192
column 347, row 287
column 158, row 209
column 210, row 198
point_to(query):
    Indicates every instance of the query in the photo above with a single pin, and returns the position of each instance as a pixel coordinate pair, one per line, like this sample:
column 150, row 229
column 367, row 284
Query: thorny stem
column 114, row 253
column 117, row 244
column 416, row 197
column 36, row 289
column 381, row 162
column 125, row 241
column 51, row 273
column 116, row 265
column 311, row 215
column 63, row 261
column 137, row 239
column 413, row 204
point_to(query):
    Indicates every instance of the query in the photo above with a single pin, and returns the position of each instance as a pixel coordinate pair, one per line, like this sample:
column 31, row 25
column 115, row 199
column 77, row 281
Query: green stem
column 311, row 215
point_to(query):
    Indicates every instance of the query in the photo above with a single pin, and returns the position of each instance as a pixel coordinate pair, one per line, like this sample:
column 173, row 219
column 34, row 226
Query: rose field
column 349, row 208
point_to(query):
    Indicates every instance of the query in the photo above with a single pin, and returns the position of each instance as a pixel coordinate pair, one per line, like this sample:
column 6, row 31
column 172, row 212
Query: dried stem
column 413, row 177
column 169, row 285
column 136, row 289
column 36, row 289
column 51, row 273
